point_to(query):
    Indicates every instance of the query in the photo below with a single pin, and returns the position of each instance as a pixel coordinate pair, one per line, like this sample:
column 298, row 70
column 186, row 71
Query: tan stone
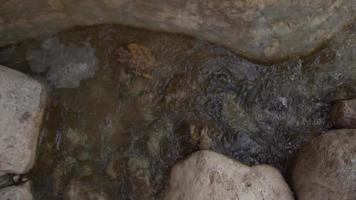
column 206, row 175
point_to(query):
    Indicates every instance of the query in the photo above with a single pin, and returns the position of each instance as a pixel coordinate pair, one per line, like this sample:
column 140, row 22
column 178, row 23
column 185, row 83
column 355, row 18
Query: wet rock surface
column 263, row 30
column 343, row 114
column 22, row 103
column 123, row 132
column 206, row 175
column 326, row 167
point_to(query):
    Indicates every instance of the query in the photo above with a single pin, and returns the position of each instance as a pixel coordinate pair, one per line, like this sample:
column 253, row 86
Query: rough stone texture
column 16, row 193
column 207, row 175
column 326, row 167
column 343, row 114
column 265, row 30
column 21, row 109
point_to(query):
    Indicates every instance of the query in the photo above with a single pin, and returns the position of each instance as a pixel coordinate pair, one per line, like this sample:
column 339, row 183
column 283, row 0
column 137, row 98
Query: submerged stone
column 326, row 167
column 343, row 114
column 66, row 66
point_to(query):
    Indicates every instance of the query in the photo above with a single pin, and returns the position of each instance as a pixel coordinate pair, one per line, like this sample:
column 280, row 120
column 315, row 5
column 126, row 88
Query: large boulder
column 325, row 168
column 22, row 102
column 21, row 192
column 260, row 29
column 206, row 175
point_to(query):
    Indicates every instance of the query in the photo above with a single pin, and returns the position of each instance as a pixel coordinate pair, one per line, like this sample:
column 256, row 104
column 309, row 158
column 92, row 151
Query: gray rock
column 22, row 102
column 206, row 175
column 21, row 192
column 326, row 167
column 66, row 65
column 265, row 30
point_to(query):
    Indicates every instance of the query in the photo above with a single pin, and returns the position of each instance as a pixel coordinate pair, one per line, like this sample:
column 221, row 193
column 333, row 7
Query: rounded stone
column 206, row 175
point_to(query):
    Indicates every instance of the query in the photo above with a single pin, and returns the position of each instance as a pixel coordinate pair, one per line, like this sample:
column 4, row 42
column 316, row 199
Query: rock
column 343, row 114
column 22, row 103
column 326, row 167
column 264, row 30
column 207, row 175
column 20, row 192
column 66, row 65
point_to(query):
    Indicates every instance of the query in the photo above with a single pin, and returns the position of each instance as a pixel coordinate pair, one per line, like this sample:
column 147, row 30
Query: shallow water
column 110, row 133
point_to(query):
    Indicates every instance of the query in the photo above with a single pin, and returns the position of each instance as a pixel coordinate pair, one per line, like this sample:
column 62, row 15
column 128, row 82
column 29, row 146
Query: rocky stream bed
column 125, row 105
